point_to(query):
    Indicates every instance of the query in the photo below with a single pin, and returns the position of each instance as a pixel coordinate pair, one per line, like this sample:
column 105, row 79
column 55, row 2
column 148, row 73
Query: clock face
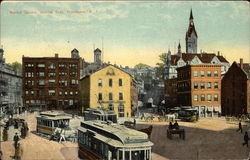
column 110, row 72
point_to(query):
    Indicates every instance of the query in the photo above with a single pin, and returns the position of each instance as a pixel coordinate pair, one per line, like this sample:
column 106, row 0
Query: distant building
column 235, row 98
column 51, row 83
column 10, row 88
column 103, row 140
column 109, row 87
column 91, row 67
column 199, row 86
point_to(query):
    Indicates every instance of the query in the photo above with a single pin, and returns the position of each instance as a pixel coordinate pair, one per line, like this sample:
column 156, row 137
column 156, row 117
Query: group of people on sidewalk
column 246, row 137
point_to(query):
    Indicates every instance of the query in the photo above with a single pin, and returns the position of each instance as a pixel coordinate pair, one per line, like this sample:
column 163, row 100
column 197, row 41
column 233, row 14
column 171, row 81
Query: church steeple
column 191, row 36
column 179, row 48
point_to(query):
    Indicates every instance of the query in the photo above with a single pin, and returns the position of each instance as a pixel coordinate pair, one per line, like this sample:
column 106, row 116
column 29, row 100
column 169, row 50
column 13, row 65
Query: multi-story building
column 235, row 90
column 109, row 87
column 171, row 93
column 51, row 83
column 199, row 86
column 191, row 56
column 10, row 88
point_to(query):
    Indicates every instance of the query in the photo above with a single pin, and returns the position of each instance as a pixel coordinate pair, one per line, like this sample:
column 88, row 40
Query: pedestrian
column 16, row 139
column 246, row 138
column 18, row 152
column 240, row 127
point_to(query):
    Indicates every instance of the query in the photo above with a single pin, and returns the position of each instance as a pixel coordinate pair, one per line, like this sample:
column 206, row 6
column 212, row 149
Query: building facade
column 199, row 86
column 51, row 83
column 10, row 88
column 170, row 93
column 111, row 88
column 235, row 92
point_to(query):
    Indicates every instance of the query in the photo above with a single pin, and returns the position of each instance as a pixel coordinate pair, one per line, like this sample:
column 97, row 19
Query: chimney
column 241, row 63
column 218, row 53
column 56, row 55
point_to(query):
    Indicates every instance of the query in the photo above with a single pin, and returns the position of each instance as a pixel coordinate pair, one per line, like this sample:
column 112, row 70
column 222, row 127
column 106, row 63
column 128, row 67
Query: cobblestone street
column 207, row 139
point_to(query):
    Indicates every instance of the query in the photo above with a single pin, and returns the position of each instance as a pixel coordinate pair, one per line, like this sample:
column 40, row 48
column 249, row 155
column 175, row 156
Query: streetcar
column 100, row 114
column 48, row 121
column 188, row 114
column 106, row 140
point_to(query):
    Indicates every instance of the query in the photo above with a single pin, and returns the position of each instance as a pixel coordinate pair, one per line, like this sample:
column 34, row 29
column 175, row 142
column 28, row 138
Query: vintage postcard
column 124, row 80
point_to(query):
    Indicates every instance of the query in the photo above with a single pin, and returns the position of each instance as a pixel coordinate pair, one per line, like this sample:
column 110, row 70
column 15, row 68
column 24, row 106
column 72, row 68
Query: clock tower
column 191, row 36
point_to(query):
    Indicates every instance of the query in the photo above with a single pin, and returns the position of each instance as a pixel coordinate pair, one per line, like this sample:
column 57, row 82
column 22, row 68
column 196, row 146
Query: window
column 209, row 85
column 62, row 74
column 202, row 73
column 62, row 66
column 29, row 74
column 71, row 102
column 52, row 92
column 100, row 96
column 71, row 93
column 41, row 74
column 51, row 74
column 121, row 110
column 195, row 97
column 52, row 81
column 62, row 83
column 202, row 85
column 195, row 73
column 65, row 93
column 41, row 82
column 215, row 73
column 195, row 85
column 26, row 92
column 76, row 93
column 209, row 98
column 111, row 107
column 110, row 96
column 73, row 81
column 120, row 96
column 110, row 82
column 41, row 65
column 52, row 66
column 60, row 93
column 209, row 73
column 216, row 85
column 32, row 92
column 216, row 97
column 120, row 82
column 100, row 82
column 203, row 97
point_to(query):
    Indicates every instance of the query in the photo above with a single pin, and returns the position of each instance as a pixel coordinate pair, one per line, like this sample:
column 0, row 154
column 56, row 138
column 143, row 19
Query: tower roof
column 74, row 50
column 97, row 50
column 191, row 15
column 179, row 45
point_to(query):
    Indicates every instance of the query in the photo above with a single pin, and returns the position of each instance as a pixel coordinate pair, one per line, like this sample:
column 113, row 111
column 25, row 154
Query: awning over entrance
column 217, row 109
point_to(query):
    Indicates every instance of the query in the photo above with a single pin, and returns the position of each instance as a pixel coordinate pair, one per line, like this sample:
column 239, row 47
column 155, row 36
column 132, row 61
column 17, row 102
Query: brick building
column 235, row 90
column 171, row 93
column 51, row 83
column 199, row 86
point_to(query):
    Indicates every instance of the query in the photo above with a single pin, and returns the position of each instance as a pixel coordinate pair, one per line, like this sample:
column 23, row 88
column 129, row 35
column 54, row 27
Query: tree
column 141, row 65
column 16, row 66
column 160, row 68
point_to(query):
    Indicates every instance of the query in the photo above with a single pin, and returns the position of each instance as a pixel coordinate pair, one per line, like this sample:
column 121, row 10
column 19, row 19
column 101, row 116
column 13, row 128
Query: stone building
column 10, row 88
column 199, row 86
column 52, row 83
column 110, row 88
column 235, row 92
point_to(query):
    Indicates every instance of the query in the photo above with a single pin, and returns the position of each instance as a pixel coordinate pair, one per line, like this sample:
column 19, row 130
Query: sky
column 128, row 32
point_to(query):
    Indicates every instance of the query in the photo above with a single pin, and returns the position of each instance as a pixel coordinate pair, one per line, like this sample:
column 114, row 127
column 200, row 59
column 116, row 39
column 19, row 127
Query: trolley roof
column 116, row 135
column 54, row 115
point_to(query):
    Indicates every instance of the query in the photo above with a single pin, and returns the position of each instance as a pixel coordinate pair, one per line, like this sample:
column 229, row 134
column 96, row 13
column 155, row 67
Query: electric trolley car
column 100, row 114
column 48, row 121
column 106, row 140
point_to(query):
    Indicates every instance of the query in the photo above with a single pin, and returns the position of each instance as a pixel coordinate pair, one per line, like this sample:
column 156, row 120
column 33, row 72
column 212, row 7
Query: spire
column 191, row 15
